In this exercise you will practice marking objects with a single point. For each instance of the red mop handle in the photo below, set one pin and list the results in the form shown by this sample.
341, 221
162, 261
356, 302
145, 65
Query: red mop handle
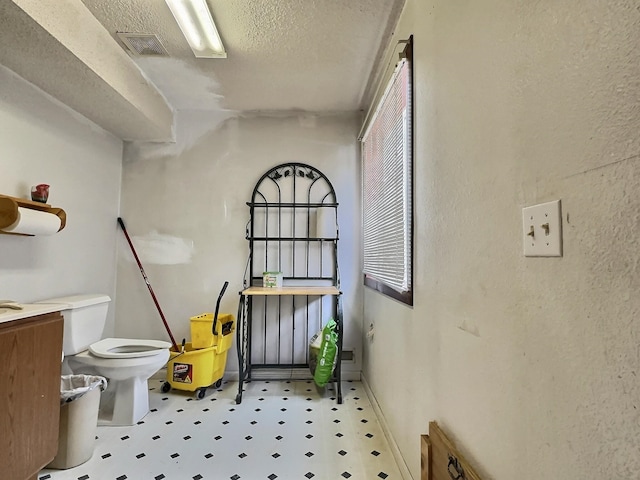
146, 280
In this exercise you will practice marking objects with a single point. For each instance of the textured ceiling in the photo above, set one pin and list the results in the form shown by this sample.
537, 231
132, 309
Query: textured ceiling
314, 56
310, 55
60, 47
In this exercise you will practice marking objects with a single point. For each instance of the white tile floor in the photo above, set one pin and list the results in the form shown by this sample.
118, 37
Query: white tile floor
282, 430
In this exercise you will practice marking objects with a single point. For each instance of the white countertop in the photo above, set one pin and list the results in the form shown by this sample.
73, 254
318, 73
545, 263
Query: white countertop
28, 310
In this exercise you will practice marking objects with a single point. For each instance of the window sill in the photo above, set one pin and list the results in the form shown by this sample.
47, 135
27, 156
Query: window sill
402, 297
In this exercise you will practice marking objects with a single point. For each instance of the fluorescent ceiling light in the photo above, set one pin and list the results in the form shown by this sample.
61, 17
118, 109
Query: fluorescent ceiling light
197, 26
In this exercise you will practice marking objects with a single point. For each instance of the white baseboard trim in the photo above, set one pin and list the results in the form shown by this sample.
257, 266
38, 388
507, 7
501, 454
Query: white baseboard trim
271, 374
395, 451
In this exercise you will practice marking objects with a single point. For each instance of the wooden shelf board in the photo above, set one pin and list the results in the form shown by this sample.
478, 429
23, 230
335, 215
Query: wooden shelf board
291, 204
291, 291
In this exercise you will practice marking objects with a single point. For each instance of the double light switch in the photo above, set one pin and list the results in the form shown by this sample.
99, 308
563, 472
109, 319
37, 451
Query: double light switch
542, 230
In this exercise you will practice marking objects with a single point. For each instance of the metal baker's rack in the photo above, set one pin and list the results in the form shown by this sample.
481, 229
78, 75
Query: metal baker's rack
293, 230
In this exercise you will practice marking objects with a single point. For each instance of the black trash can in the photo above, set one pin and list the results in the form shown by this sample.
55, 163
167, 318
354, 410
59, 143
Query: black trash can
79, 404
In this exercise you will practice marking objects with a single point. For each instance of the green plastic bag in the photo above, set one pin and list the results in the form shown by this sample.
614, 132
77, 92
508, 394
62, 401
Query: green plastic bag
327, 355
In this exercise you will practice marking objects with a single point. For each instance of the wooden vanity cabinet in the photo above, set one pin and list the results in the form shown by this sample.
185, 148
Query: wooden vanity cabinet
30, 361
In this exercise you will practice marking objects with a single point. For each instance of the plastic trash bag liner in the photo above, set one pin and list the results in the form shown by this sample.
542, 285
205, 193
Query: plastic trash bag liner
314, 351
322, 360
73, 387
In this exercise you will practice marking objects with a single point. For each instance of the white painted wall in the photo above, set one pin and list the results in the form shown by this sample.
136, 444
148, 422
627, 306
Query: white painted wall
530, 364
191, 197
42, 141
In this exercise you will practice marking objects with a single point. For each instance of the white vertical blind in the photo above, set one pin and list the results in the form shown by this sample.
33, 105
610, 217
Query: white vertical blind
386, 152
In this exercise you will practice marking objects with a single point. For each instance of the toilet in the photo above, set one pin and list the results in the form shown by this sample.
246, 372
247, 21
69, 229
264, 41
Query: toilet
126, 363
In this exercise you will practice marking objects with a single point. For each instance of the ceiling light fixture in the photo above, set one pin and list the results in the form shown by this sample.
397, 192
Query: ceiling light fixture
196, 23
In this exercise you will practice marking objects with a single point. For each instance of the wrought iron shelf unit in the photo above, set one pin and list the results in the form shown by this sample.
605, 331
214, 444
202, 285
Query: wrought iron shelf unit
292, 229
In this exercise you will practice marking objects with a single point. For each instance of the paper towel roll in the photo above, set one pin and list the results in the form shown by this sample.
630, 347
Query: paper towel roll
34, 222
326, 224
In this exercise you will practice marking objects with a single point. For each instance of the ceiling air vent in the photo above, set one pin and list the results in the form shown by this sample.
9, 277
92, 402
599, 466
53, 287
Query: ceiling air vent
143, 44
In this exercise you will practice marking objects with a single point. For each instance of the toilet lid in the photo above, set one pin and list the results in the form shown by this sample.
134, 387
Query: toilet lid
127, 347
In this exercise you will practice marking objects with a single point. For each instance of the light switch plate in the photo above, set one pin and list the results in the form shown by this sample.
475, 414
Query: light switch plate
542, 230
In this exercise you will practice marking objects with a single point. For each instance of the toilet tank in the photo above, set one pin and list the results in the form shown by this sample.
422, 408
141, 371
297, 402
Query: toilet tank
84, 320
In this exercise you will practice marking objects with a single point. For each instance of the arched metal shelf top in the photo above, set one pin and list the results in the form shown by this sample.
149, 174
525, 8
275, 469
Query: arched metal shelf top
319, 190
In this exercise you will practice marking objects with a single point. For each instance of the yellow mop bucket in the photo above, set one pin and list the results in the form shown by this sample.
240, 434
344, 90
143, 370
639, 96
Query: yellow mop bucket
201, 362
199, 368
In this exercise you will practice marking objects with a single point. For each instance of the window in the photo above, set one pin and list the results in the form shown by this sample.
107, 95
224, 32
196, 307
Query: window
387, 151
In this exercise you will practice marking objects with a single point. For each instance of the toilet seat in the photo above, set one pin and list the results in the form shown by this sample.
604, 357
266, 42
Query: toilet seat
88, 359
127, 348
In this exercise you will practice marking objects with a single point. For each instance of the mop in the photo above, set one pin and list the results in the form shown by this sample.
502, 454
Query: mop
146, 280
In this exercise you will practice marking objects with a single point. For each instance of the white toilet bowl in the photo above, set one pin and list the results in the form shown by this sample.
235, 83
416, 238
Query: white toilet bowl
127, 364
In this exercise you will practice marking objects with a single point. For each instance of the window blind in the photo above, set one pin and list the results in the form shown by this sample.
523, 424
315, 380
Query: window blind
387, 189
